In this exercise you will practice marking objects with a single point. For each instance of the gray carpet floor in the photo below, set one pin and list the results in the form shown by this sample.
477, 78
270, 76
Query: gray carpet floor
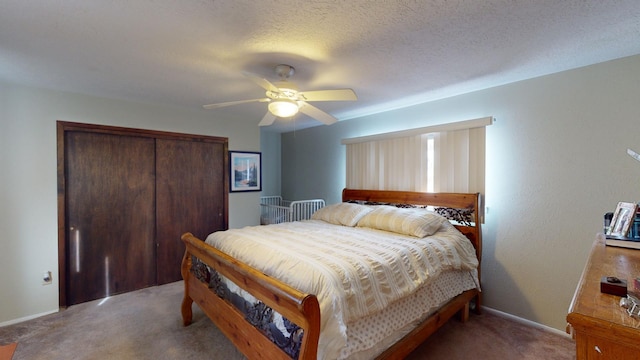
146, 324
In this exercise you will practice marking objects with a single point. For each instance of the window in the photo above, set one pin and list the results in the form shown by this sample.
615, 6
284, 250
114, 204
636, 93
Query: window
443, 158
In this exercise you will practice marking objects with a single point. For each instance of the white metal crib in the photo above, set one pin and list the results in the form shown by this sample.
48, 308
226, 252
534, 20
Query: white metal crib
274, 210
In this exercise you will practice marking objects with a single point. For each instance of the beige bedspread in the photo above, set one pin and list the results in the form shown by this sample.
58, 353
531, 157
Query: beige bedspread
353, 271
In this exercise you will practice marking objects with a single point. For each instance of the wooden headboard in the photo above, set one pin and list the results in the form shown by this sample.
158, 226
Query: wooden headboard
467, 201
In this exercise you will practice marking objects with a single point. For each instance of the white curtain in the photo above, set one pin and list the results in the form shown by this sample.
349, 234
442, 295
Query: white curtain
391, 164
420, 159
459, 160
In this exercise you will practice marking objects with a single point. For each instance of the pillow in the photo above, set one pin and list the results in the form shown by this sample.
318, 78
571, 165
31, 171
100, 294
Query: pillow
413, 222
347, 214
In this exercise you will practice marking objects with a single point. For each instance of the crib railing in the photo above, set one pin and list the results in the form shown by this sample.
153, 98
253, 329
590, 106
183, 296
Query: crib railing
303, 209
274, 210
271, 200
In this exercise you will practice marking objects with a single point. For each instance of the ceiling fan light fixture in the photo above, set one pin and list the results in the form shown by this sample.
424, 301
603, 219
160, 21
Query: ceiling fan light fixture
283, 108
284, 100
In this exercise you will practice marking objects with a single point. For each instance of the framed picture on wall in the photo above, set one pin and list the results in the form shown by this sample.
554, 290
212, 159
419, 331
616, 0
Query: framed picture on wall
246, 171
622, 219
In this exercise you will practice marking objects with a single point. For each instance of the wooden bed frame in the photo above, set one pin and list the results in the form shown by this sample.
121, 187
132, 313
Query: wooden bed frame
303, 309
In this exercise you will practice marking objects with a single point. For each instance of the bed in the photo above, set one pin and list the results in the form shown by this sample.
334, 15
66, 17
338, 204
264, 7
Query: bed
275, 210
267, 317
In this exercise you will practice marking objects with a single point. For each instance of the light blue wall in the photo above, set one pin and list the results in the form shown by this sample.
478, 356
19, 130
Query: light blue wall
270, 148
556, 162
28, 183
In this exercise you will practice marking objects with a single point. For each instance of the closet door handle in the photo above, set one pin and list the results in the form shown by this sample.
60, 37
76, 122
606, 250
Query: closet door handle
74, 251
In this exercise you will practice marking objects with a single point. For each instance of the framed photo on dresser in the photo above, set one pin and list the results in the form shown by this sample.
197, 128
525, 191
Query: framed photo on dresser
622, 219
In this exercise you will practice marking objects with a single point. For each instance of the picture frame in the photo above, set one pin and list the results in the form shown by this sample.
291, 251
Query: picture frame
622, 219
245, 169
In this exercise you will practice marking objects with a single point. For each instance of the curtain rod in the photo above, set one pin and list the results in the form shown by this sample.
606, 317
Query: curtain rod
460, 125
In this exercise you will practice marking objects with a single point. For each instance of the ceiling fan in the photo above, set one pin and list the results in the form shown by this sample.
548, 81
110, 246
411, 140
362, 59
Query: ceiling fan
285, 100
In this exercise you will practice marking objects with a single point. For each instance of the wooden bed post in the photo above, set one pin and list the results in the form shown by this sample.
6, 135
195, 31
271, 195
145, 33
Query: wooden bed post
187, 311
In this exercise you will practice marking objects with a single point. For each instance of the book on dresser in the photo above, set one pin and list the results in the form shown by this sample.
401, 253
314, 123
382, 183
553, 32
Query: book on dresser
624, 242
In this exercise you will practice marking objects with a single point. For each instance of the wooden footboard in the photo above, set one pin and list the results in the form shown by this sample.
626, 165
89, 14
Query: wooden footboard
301, 309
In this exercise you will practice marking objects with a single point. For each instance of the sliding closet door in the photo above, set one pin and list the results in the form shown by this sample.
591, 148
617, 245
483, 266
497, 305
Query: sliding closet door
191, 196
110, 202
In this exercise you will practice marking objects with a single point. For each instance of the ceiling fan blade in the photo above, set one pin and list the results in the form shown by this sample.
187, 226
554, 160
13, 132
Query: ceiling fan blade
329, 95
219, 105
317, 114
263, 83
267, 119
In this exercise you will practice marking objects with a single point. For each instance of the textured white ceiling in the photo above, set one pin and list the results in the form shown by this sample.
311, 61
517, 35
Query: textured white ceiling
392, 53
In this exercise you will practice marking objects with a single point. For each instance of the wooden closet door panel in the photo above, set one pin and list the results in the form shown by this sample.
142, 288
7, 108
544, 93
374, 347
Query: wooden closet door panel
110, 188
191, 196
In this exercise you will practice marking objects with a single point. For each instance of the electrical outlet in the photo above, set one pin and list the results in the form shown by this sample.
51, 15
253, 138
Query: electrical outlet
46, 278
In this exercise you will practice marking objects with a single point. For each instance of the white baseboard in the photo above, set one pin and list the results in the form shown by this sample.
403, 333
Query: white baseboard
525, 321
484, 308
30, 317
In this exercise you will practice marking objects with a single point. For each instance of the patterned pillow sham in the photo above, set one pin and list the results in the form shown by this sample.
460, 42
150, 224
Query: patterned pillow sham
346, 214
462, 216
407, 221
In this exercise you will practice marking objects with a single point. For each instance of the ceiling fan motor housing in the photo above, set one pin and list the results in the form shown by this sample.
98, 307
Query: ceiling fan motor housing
285, 71
286, 90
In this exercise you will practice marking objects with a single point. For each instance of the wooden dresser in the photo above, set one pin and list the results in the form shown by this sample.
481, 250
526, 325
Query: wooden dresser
601, 327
